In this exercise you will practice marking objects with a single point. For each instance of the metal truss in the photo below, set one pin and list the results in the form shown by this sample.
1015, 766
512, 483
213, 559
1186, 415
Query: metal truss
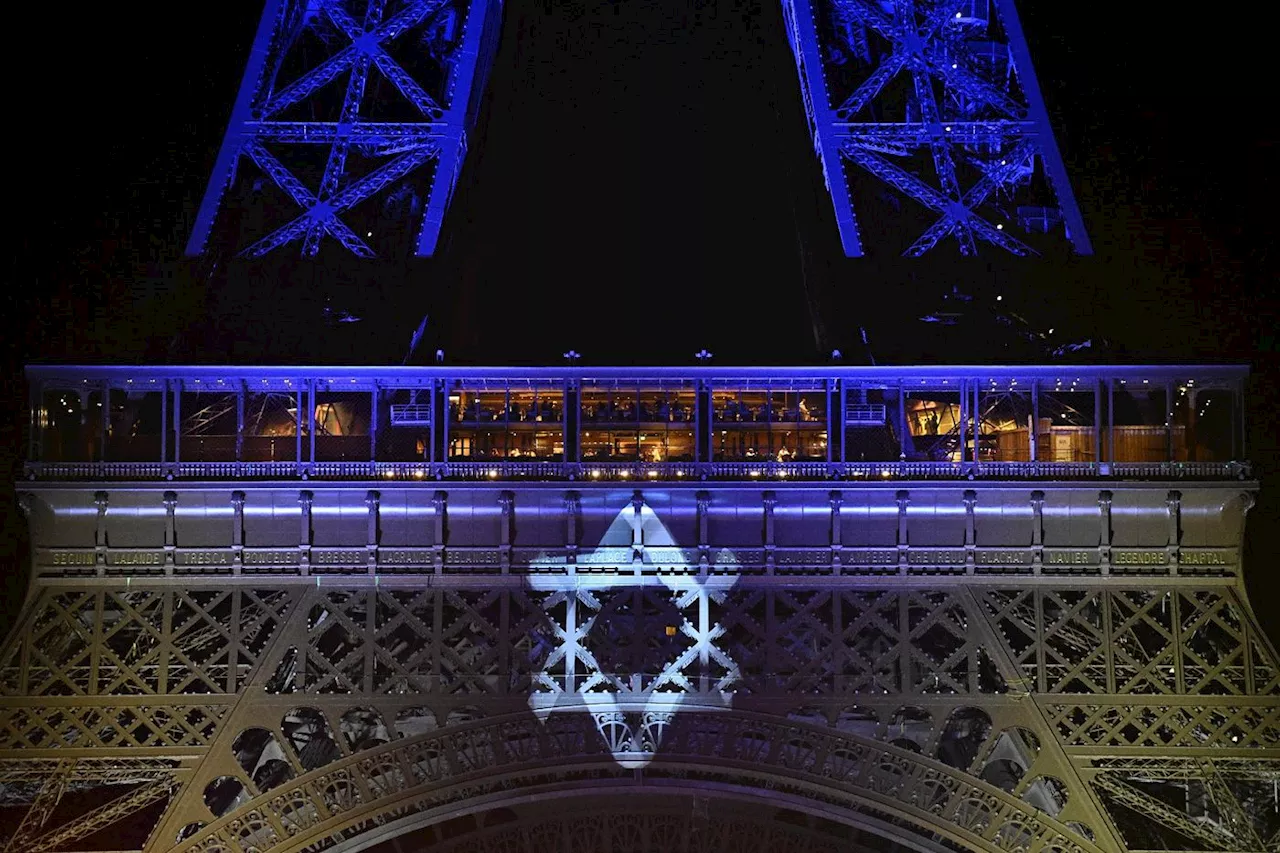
392, 84
938, 100
297, 703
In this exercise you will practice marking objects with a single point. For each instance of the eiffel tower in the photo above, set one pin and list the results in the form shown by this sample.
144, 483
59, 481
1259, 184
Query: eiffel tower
629, 609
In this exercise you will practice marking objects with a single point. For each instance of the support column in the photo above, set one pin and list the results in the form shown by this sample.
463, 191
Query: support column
373, 500
506, 502
1104, 518
1037, 531
572, 509
100, 533
704, 545
305, 534
904, 498
237, 531
440, 503
170, 530
836, 499
770, 500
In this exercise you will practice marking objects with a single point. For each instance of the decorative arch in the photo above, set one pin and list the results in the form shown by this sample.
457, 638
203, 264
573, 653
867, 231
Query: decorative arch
848, 776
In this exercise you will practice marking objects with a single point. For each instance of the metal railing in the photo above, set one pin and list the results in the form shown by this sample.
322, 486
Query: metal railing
618, 471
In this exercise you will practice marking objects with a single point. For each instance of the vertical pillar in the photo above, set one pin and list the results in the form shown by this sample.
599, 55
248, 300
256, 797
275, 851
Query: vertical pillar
306, 534
298, 404
177, 420
904, 498
637, 527
836, 424
1111, 421
770, 500
572, 509
241, 393
164, 420
506, 503
374, 414
1104, 518
105, 391
963, 426
311, 420
902, 422
837, 500
1174, 503
1037, 531
237, 531
977, 420
704, 544
440, 503
970, 531
170, 530
1034, 435
100, 532
373, 500
1097, 422
1168, 422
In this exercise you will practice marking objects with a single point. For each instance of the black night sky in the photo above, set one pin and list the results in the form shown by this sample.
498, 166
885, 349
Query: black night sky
641, 186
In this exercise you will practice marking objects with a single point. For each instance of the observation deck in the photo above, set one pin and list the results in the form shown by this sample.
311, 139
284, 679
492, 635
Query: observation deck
639, 424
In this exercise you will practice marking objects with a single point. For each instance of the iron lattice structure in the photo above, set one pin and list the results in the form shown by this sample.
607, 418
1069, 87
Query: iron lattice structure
938, 100
228, 655
351, 119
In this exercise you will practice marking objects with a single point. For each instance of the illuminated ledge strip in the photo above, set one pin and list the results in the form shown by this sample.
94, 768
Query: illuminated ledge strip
571, 471
134, 562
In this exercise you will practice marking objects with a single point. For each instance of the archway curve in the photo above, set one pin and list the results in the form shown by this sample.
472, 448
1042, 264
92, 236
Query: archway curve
572, 802
517, 755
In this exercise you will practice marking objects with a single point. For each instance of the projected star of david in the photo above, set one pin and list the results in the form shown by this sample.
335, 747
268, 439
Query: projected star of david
632, 648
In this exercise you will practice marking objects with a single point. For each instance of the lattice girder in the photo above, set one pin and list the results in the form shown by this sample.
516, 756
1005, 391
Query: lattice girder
938, 100
341, 76
287, 703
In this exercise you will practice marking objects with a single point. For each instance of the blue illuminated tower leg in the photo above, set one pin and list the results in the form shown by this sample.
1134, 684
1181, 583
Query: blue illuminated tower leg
224, 167
1053, 165
476, 45
938, 100
799, 19
366, 157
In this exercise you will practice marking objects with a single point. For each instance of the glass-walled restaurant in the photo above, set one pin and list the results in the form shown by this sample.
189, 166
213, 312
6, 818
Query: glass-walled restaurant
820, 422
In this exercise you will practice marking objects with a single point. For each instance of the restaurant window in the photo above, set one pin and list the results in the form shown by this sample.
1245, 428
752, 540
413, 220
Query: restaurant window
932, 429
1067, 430
404, 425
342, 420
135, 425
872, 429
70, 426
271, 426
1209, 420
518, 423
1005, 420
209, 426
769, 424
1141, 416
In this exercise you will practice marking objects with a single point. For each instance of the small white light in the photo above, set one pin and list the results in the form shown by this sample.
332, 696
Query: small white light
1051, 331
953, 65
368, 234
999, 227
595, 474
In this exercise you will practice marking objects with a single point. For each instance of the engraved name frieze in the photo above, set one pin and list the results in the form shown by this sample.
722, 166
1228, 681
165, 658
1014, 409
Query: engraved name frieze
67, 558
271, 558
406, 557
135, 558
1205, 558
337, 557
1139, 558
935, 557
987, 557
203, 558
1071, 557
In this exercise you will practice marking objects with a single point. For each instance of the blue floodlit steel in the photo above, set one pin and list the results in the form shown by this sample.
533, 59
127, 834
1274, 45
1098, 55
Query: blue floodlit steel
285, 78
937, 99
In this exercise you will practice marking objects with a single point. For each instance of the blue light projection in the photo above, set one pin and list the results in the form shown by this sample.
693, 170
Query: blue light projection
344, 144
937, 99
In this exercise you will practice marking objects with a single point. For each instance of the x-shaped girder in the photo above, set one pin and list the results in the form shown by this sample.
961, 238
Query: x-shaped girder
916, 48
367, 48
